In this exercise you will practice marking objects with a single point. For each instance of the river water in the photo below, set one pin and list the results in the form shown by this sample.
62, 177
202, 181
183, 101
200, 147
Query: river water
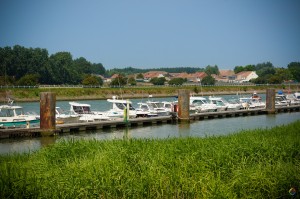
203, 128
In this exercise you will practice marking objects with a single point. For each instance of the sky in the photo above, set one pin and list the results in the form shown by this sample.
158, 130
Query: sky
157, 33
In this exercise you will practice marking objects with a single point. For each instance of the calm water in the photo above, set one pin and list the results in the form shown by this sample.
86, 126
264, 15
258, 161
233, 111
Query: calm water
203, 128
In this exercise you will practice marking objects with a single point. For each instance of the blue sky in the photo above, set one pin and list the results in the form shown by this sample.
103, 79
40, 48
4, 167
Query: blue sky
157, 33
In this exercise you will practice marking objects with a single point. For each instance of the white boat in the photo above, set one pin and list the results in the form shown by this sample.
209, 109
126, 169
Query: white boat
63, 116
152, 109
158, 108
202, 105
219, 102
118, 107
293, 98
257, 103
233, 104
85, 113
12, 116
144, 110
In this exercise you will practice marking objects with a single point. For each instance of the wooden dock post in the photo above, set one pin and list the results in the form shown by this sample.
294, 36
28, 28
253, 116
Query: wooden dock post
270, 101
47, 113
183, 105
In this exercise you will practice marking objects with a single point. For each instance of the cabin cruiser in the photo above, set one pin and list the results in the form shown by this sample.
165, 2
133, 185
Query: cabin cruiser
12, 116
63, 116
233, 104
118, 107
219, 102
257, 103
152, 109
202, 105
85, 113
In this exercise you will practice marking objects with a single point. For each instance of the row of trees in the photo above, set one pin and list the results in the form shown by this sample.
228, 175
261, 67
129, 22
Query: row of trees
32, 66
267, 73
20, 65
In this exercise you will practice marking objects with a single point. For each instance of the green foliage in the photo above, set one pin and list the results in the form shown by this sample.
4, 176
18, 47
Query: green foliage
158, 80
177, 81
209, 70
92, 80
140, 76
249, 67
208, 80
59, 68
131, 81
121, 80
294, 68
250, 164
29, 80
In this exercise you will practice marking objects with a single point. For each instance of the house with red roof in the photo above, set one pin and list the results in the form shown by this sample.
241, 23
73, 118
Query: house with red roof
245, 76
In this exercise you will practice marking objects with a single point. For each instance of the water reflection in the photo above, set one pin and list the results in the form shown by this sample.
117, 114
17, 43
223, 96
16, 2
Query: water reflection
184, 129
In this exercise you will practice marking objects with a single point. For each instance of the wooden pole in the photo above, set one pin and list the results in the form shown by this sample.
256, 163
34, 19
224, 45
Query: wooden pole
270, 101
183, 105
47, 113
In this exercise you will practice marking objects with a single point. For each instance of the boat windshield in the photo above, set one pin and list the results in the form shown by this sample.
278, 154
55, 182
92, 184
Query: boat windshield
81, 109
220, 103
197, 102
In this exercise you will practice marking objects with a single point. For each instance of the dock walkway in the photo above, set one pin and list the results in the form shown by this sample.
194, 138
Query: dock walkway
75, 127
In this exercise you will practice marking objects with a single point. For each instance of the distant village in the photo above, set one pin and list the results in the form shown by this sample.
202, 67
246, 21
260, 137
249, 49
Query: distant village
225, 76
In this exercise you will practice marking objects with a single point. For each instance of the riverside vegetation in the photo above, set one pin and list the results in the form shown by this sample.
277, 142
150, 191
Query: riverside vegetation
262, 163
33, 94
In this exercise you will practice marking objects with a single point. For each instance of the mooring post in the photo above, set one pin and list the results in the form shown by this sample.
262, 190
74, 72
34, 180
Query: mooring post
47, 113
270, 101
184, 105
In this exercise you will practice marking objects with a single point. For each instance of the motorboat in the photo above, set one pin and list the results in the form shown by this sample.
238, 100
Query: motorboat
257, 103
152, 109
252, 102
63, 116
293, 98
232, 104
202, 105
13, 116
144, 110
159, 108
219, 102
85, 113
118, 108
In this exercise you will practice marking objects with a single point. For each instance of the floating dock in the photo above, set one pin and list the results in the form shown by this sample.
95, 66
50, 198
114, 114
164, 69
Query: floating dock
84, 126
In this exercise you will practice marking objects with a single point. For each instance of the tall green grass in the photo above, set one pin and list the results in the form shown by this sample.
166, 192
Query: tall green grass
249, 164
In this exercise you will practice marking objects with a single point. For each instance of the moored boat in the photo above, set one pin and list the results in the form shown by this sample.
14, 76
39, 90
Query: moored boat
13, 116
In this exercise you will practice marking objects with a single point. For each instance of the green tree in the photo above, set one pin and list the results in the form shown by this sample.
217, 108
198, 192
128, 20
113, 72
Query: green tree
208, 80
131, 81
238, 69
92, 80
177, 81
158, 80
140, 76
28, 80
294, 68
209, 70
121, 80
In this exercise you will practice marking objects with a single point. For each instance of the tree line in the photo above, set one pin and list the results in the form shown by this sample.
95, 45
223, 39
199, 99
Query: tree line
33, 66
20, 65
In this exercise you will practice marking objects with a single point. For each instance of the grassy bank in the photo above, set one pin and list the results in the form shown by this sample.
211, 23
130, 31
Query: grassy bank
250, 164
33, 94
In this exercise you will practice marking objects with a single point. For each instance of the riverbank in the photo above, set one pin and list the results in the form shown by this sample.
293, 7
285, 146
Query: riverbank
249, 164
33, 94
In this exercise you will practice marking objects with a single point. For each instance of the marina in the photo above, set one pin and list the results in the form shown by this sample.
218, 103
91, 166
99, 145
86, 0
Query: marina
136, 122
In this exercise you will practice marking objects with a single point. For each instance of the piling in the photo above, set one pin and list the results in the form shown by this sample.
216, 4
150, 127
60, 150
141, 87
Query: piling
47, 113
270, 101
184, 105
